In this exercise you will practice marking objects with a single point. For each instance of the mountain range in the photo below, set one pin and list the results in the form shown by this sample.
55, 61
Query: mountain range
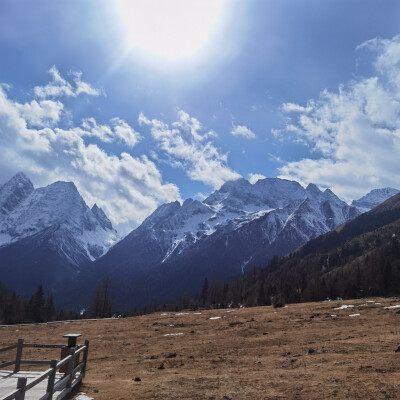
50, 236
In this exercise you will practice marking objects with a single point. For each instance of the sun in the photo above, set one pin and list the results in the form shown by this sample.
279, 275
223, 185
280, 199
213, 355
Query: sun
170, 29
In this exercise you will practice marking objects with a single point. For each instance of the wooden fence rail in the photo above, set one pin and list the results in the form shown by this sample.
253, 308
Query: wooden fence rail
75, 371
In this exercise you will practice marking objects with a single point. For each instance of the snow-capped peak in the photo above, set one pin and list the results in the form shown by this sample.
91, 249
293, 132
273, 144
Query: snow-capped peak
13, 192
101, 217
241, 196
162, 213
374, 198
61, 208
313, 192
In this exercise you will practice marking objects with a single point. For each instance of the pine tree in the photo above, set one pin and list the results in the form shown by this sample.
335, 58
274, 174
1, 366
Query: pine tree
36, 305
49, 309
204, 293
102, 303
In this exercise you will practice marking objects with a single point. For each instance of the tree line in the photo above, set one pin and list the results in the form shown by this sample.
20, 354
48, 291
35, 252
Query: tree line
16, 309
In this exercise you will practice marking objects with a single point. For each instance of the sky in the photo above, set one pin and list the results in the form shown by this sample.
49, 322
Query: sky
140, 103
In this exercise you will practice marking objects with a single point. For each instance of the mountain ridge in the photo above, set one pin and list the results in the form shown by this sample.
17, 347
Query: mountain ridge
239, 226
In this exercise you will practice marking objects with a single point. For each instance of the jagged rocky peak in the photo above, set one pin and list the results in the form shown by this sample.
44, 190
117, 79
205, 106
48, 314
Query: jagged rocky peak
57, 203
191, 212
241, 195
61, 199
192, 207
235, 186
231, 194
278, 193
313, 192
329, 195
99, 214
18, 188
374, 198
162, 213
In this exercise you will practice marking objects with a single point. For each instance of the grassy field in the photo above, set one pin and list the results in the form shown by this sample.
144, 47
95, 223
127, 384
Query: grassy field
303, 351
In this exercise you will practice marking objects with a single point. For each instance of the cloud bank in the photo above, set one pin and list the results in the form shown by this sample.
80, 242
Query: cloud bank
33, 140
354, 133
186, 145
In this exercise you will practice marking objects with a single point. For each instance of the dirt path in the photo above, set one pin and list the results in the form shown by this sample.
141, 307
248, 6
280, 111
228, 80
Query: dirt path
299, 352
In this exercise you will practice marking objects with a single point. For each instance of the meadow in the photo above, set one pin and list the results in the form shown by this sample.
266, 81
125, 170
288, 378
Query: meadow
326, 350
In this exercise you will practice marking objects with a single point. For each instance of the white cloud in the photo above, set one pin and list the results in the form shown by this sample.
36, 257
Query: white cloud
242, 131
200, 196
354, 133
42, 113
275, 158
118, 130
277, 134
253, 178
185, 146
291, 107
61, 87
192, 125
128, 188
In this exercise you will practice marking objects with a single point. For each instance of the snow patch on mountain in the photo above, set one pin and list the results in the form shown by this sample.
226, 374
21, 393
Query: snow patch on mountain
374, 198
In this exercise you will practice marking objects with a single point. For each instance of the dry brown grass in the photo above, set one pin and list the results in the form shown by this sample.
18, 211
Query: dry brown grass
254, 353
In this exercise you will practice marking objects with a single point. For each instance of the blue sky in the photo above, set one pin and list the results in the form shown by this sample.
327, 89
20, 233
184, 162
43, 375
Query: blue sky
306, 90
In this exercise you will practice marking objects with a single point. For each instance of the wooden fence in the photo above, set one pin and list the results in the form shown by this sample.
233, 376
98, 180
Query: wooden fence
74, 370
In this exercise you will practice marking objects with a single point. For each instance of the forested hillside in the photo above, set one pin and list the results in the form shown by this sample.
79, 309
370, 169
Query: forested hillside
360, 258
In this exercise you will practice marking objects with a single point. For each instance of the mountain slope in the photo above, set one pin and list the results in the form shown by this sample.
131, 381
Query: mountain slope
359, 258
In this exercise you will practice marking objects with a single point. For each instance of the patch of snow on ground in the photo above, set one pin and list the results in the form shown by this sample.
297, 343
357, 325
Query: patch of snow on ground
344, 306
82, 396
354, 315
392, 307
215, 318
182, 313
197, 313
164, 314
174, 334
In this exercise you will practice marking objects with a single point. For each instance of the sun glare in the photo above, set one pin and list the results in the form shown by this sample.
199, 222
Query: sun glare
170, 29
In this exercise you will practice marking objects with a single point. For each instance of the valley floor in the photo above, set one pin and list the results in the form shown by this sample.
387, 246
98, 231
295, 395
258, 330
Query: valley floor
304, 351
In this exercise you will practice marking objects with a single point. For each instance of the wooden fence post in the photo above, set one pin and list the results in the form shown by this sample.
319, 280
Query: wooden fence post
21, 383
52, 378
85, 357
19, 355
71, 367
